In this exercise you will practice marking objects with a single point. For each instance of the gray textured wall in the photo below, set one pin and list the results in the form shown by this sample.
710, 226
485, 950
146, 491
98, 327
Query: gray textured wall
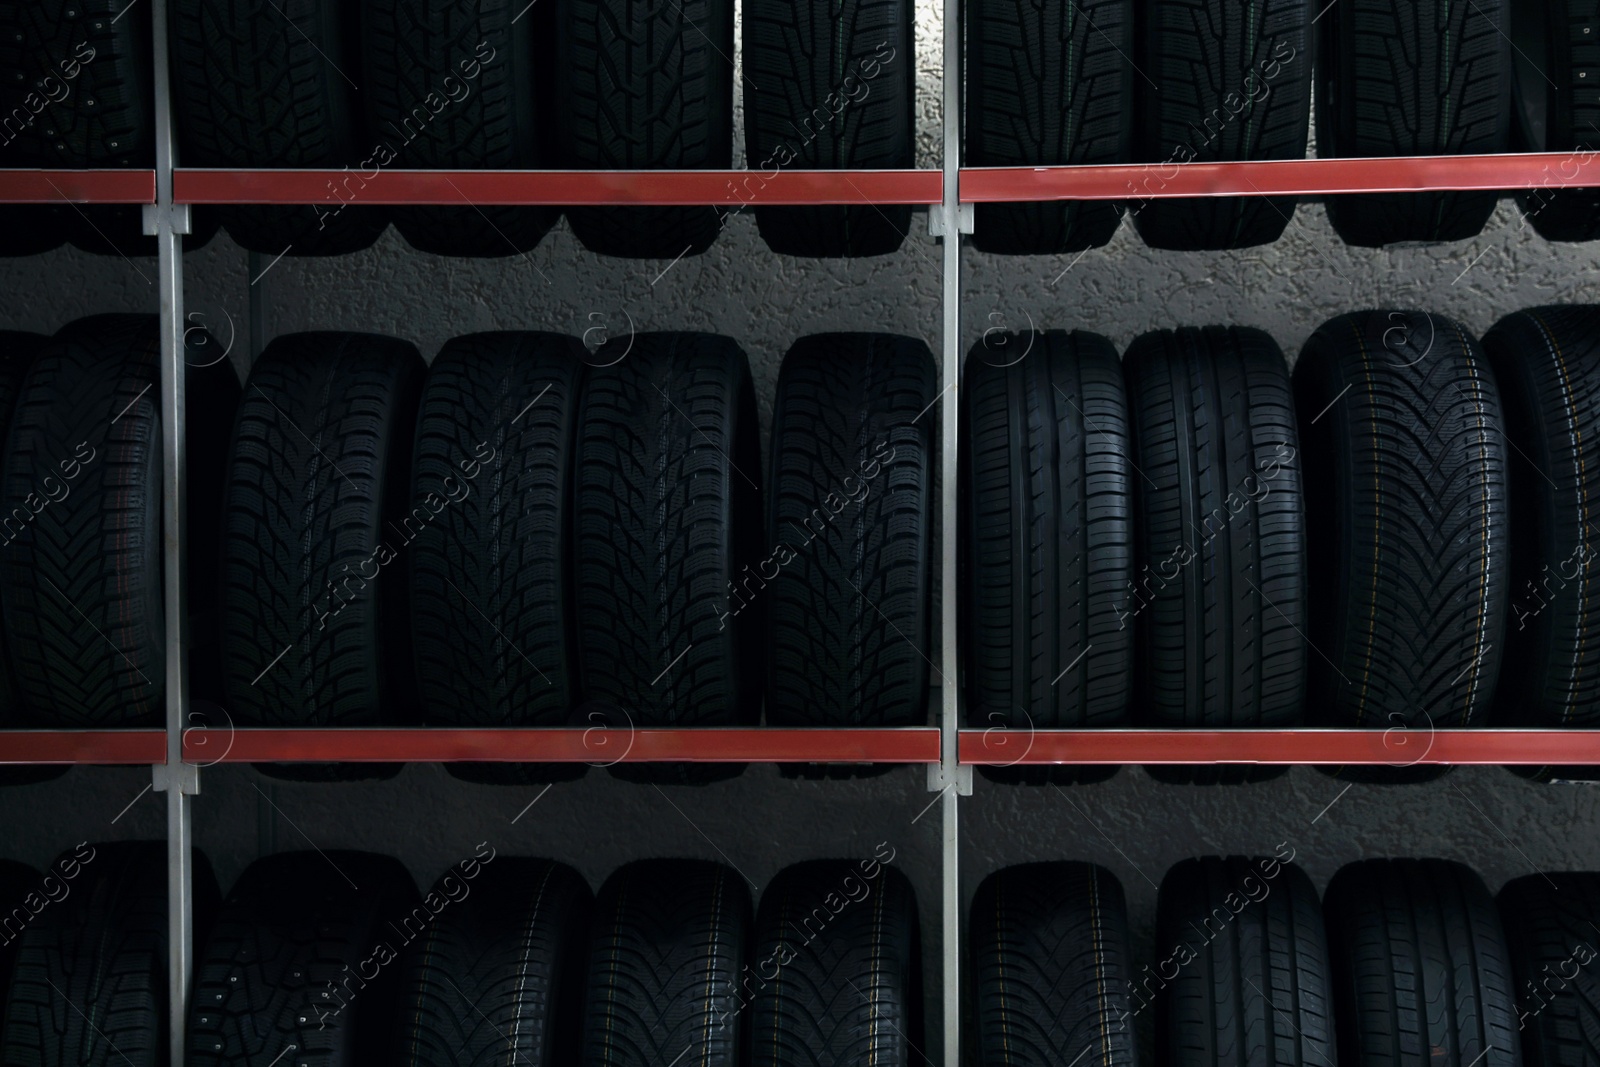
761, 822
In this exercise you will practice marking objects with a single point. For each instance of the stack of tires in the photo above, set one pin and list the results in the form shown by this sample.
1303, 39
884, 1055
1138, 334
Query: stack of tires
1403, 961
1194, 540
335, 958
525, 534
1166, 82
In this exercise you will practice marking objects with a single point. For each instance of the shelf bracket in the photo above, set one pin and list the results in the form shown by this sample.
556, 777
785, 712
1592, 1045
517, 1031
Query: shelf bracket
941, 778
186, 776
178, 214
964, 219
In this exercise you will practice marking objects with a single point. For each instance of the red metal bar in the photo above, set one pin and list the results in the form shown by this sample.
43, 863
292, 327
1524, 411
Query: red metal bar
327, 188
1283, 177
1394, 747
595, 745
78, 186
83, 746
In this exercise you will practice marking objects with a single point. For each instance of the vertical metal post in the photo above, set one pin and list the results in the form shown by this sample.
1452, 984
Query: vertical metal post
168, 222
953, 780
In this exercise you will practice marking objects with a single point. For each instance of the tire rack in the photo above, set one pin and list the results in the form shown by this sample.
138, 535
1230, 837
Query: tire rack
178, 753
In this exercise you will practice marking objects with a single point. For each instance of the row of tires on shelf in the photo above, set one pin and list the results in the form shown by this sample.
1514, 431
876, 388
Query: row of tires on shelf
530, 534
603, 84
1398, 535
323, 959
334, 959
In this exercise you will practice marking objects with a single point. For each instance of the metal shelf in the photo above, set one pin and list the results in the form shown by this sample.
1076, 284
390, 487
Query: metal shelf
83, 746
77, 186
1123, 181
557, 187
564, 745
1391, 747
1283, 177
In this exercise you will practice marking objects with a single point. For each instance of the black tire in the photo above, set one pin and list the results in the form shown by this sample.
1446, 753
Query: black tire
838, 976
17, 881
18, 352
1047, 529
1421, 974
1414, 79
1405, 467
1219, 604
498, 977
1051, 968
667, 520
81, 566
90, 981
1253, 986
285, 965
211, 402
1555, 106
251, 91
645, 86
86, 63
491, 583
417, 48
849, 600
118, 230
803, 64
31, 229
317, 494
1549, 921
1235, 85
1048, 84
1547, 364
668, 942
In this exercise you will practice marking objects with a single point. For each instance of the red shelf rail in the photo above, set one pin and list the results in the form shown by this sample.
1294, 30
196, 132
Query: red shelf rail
1125, 181
83, 746
768, 745
1283, 177
77, 186
1392, 747
326, 188
595, 745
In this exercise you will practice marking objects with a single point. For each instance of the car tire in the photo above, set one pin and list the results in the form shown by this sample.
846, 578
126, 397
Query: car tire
89, 985
1405, 463
667, 519
1219, 639
1047, 525
1421, 972
1051, 968
1253, 982
1206, 58
1555, 105
248, 93
667, 950
845, 991
1546, 362
491, 581
284, 966
498, 975
645, 87
317, 493
800, 61
849, 622
1445, 92
1549, 921
414, 48
1048, 85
